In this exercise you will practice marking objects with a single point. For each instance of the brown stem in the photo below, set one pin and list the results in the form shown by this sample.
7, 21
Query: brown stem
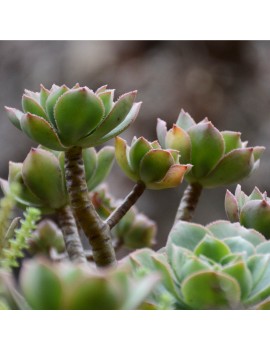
97, 231
188, 202
71, 236
127, 203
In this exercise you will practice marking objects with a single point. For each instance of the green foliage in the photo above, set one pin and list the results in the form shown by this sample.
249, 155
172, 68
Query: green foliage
218, 158
251, 211
60, 118
219, 266
148, 163
66, 286
42, 179
46, 237
16, 245
7, 204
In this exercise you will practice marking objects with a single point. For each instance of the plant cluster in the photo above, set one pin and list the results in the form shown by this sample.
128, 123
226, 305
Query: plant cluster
72, 257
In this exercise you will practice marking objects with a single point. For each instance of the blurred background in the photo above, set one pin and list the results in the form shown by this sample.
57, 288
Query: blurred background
226, 81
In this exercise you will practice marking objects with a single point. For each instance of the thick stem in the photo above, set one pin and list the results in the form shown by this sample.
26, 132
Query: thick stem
97, 231
127, 203
71, 236
188, 202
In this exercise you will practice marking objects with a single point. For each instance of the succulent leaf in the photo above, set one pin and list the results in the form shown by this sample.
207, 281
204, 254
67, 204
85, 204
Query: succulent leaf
231, 207
232, 140
51, 101
137, 151
41, 131
154, 165
41, 286
185, 121
42, 174
207, 148
233, 167
178, 139
211, 290
32, 106
14, 116
121, 151
77, 113
105, 160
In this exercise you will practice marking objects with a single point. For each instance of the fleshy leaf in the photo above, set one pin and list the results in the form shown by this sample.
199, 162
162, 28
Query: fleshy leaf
263, 248
232, 140
154, 165
96, 139
51, 101
186, 235
42, 175
211, 290
212, 248
44, 93
32, 106
224, 229
261, 290
256, 195
14, 116
41, 132
107, 100
118, 114
90, 162
257, 152
105, 159
265, 305
136, 153
41, 286
231, 207
94, 293
240, 245
207, 148
257, 265
77, 113
185, 121
240, 196
233, 167
121, 150
172, 178
178, 139
161, 132
185, 264
240, 272
256, 214
140, 292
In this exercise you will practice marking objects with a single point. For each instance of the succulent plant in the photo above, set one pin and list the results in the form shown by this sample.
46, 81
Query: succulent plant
134, 230
147, 163
46, 237
64, 286
218, 158
60, 118
251, 211
220, 266
42, 181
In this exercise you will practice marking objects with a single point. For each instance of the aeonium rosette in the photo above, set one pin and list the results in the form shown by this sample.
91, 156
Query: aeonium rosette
147, 163
42, 181
61, 118
252, 211
218, 158
220, 266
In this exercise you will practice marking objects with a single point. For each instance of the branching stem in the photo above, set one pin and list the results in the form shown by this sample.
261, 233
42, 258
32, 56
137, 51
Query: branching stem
96, 230
71, 236
127, 203
188, 202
